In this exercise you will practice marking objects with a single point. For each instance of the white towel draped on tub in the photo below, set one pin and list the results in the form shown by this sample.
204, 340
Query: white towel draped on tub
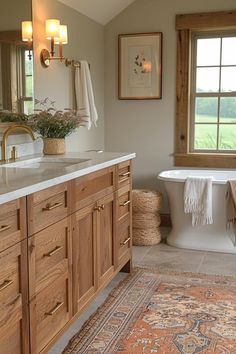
198, 199
84, 95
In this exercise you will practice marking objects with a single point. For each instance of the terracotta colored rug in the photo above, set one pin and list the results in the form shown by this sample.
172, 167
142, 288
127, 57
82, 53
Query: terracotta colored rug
151, 313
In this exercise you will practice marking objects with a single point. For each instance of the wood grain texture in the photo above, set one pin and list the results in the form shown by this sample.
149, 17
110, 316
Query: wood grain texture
206, 20
48, 208
50, 311
206, 160
49, 256
182, 91
14, 299
13, 220
90, 188
105, 239
84, 256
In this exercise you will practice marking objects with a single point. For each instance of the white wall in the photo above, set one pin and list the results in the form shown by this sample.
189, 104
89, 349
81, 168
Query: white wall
147, 127
86, 41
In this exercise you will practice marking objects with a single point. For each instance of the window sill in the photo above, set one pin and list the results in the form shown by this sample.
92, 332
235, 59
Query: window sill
210, 160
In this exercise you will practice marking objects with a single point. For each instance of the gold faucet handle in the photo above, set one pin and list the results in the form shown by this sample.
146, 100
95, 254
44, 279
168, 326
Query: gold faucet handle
13, 153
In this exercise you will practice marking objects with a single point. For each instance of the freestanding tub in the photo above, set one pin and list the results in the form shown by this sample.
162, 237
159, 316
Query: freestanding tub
215, 237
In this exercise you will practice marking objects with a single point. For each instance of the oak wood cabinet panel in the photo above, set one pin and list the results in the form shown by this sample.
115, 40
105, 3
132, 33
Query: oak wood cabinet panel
105, 239
12, 223
50, 311
47, 207
50, 256
123, 174
84, 256
14, 300
88, 189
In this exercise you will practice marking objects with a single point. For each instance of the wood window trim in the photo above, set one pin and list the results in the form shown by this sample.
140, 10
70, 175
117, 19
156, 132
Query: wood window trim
185, 24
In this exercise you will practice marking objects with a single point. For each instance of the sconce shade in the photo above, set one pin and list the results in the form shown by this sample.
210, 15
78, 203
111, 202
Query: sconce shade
63, 38
52, 28
27, 31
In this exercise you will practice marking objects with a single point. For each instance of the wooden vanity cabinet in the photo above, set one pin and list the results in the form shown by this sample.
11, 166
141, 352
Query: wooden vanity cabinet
78, 237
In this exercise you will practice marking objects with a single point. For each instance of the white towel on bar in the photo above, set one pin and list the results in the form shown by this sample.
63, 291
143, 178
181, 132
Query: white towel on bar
84, 95
198, 199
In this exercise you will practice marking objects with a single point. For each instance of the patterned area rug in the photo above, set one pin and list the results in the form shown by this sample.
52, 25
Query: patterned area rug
151, 313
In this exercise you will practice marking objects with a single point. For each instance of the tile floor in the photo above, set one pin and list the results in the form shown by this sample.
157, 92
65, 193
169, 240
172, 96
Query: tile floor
163, 256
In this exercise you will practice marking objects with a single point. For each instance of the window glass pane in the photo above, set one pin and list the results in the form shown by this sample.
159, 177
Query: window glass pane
205, 136
28, 64
29, 86
228, 79
227, 137
207, 80
228, 109
206, 109
28, 107
229, 51
208, 52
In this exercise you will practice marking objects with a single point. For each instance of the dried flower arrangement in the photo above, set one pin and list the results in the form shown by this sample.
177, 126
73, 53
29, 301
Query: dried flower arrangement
51, 123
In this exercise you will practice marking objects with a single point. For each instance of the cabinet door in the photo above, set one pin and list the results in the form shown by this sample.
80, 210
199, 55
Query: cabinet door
84, 256
106, 218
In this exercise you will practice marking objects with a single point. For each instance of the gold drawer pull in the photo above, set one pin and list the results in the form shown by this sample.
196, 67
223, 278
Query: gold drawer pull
4, 228
124, 174
127, 202
50, 254
126, 241
5, 284
51, 207
55, 309
99, 207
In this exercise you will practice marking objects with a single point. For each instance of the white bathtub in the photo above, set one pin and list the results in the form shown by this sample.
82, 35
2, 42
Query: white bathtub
215, 237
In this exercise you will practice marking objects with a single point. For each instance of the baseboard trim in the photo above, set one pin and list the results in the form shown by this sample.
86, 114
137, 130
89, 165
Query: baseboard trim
166, 220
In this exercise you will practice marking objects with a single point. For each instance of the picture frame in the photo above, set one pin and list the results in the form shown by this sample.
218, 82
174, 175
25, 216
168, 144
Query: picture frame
140, 66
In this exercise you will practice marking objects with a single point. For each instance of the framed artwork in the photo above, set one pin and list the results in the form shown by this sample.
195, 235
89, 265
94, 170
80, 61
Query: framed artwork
140, 66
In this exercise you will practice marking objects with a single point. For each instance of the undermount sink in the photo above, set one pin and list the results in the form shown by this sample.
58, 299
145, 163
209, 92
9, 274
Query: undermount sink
45, 163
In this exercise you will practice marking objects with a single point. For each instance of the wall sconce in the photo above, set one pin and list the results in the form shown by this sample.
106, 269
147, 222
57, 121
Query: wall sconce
63, 39
57, 34
27, 35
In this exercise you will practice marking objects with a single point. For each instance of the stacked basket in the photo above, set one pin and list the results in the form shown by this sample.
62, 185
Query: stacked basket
146, 217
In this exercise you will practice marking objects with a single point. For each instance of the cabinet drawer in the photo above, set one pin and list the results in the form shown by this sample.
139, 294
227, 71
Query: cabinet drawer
14, 300
124, 241
123, 174
124, 203
10, 286
12, 223
90, 188
50, 311
47, 207
50, 255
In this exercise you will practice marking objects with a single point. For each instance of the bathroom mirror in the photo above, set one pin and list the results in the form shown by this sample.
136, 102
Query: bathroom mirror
16, 59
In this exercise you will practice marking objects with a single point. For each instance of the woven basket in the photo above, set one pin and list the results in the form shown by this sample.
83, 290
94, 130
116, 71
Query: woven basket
146, 237
146, 201
53, 146
146, 221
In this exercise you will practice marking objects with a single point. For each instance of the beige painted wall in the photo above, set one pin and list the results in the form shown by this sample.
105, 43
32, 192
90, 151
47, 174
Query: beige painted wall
86, 41
147, 127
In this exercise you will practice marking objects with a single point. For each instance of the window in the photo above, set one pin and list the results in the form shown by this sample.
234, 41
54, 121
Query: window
205, 131
27, 104
213, 92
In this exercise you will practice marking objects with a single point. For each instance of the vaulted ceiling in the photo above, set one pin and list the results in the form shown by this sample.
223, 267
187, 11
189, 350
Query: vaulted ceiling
101, 11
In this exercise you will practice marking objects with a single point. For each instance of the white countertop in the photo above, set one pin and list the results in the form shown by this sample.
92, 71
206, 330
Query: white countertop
18, 182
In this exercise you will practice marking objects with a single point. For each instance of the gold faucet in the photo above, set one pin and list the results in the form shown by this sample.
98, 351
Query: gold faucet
25, 128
